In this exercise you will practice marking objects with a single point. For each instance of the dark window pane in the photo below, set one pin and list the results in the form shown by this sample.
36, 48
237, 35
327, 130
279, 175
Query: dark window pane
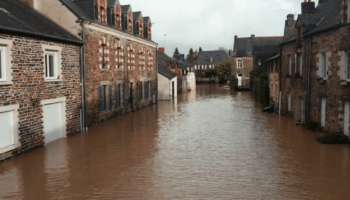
51, 66
1, 65
46, 66
104, 98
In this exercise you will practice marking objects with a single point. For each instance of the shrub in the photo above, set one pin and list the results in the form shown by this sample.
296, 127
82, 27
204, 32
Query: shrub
333, 138
312, 125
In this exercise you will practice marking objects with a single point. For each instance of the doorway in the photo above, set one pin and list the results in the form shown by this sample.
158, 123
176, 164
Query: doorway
239, 77
53, 122
346, 118
131, 97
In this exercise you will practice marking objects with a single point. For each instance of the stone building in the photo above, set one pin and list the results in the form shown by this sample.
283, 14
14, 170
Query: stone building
209, 60
167, 80
315, 66
274, 79
119, 55
186, 69
242, 57
40, 96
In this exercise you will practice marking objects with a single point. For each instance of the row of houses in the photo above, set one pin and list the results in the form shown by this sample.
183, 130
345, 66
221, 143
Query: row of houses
66, 65
308, 68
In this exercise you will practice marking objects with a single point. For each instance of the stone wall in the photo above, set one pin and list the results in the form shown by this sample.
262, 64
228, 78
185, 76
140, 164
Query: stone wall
142, 68
245, 70
29, 88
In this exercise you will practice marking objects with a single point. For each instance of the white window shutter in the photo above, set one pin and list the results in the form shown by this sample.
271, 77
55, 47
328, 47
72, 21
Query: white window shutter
344, 65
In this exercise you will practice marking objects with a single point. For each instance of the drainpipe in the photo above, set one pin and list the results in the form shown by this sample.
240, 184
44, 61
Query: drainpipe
280, 81
82, 76
307, 105
156, 83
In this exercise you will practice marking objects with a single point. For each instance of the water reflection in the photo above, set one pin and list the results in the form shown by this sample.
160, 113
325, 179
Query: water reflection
210, 143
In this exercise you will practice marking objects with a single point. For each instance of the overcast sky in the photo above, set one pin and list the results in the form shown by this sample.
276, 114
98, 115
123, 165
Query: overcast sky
211, 24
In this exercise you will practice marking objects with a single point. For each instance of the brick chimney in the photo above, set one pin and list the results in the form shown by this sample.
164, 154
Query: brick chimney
290, 20
161, 49
29, 3
307, 7
236, 37
252, 36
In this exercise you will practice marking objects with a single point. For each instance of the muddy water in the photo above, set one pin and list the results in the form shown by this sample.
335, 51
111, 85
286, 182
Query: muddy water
209, 144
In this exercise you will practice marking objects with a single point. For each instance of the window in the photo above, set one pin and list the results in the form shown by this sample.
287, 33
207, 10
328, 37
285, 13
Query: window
50, 65
348, 10
104, 98
96, 10
289, 102
289, 65
119, 66
323, 112
117, 21
117, 96
2, 64
323, 66
113, 18
103, 56
137, 28
146, 90
101, 14
299, 64
239, 63
140, 91
9, 128
347, 72
126, 22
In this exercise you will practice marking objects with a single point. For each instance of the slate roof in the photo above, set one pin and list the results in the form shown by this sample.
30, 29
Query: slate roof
146, 20
266, 49
125, 9
218, 56
167, 73
112, 3
137, 15
163, 61
17, 17
75, 9
330, 11
244, 46
274, 57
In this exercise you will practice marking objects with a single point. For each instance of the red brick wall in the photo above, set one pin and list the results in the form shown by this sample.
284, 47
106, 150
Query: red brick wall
94, 75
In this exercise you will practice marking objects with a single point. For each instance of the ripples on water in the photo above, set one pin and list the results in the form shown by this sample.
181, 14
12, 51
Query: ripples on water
209, 144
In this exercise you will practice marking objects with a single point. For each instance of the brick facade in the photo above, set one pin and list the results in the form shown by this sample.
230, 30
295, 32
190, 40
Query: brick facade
245, 69
29, 89
136, 65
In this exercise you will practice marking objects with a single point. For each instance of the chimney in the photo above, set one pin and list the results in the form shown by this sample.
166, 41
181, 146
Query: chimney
236, 38
307, 7
29, 3
252, 36
161, 49
290, 20
230, 52
320, 1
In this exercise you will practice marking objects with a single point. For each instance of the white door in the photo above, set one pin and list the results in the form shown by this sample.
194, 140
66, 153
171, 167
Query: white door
289, 102
239, 79
52, 122
346, 118
323, 113
6, 132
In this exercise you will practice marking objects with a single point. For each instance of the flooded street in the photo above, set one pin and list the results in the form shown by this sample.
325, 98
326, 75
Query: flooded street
211, 143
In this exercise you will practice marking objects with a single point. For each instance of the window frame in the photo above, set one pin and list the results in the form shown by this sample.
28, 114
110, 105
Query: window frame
299, 69
6, 46
57, 50
240, 63
289, 65
347, 67
15, 128
2, 64
47, 72
323, 65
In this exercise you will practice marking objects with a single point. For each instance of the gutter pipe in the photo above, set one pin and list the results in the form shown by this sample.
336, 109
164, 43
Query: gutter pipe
82, 76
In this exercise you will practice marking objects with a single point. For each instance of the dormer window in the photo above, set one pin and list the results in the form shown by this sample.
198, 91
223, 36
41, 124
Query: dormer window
137, 28
126, 22
117, 17
96, 10
146, 31
101, 14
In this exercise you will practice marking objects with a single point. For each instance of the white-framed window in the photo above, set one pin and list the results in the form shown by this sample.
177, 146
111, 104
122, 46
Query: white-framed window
105, 101
5, 62
299, 68
239, 63
2, 64
323, 66
345, 69
9, 138
289, 65
52, 63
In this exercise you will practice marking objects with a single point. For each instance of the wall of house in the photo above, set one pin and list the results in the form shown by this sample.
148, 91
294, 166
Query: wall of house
245, 70
163, 88
29, 89
274, 81
191, 81
61, 15
331, 89
96, 76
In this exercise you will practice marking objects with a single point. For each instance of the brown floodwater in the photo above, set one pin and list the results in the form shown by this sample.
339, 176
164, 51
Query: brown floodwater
211, 143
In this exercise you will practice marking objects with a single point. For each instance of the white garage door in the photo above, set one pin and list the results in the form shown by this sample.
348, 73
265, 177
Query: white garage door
6, 133
52, 122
